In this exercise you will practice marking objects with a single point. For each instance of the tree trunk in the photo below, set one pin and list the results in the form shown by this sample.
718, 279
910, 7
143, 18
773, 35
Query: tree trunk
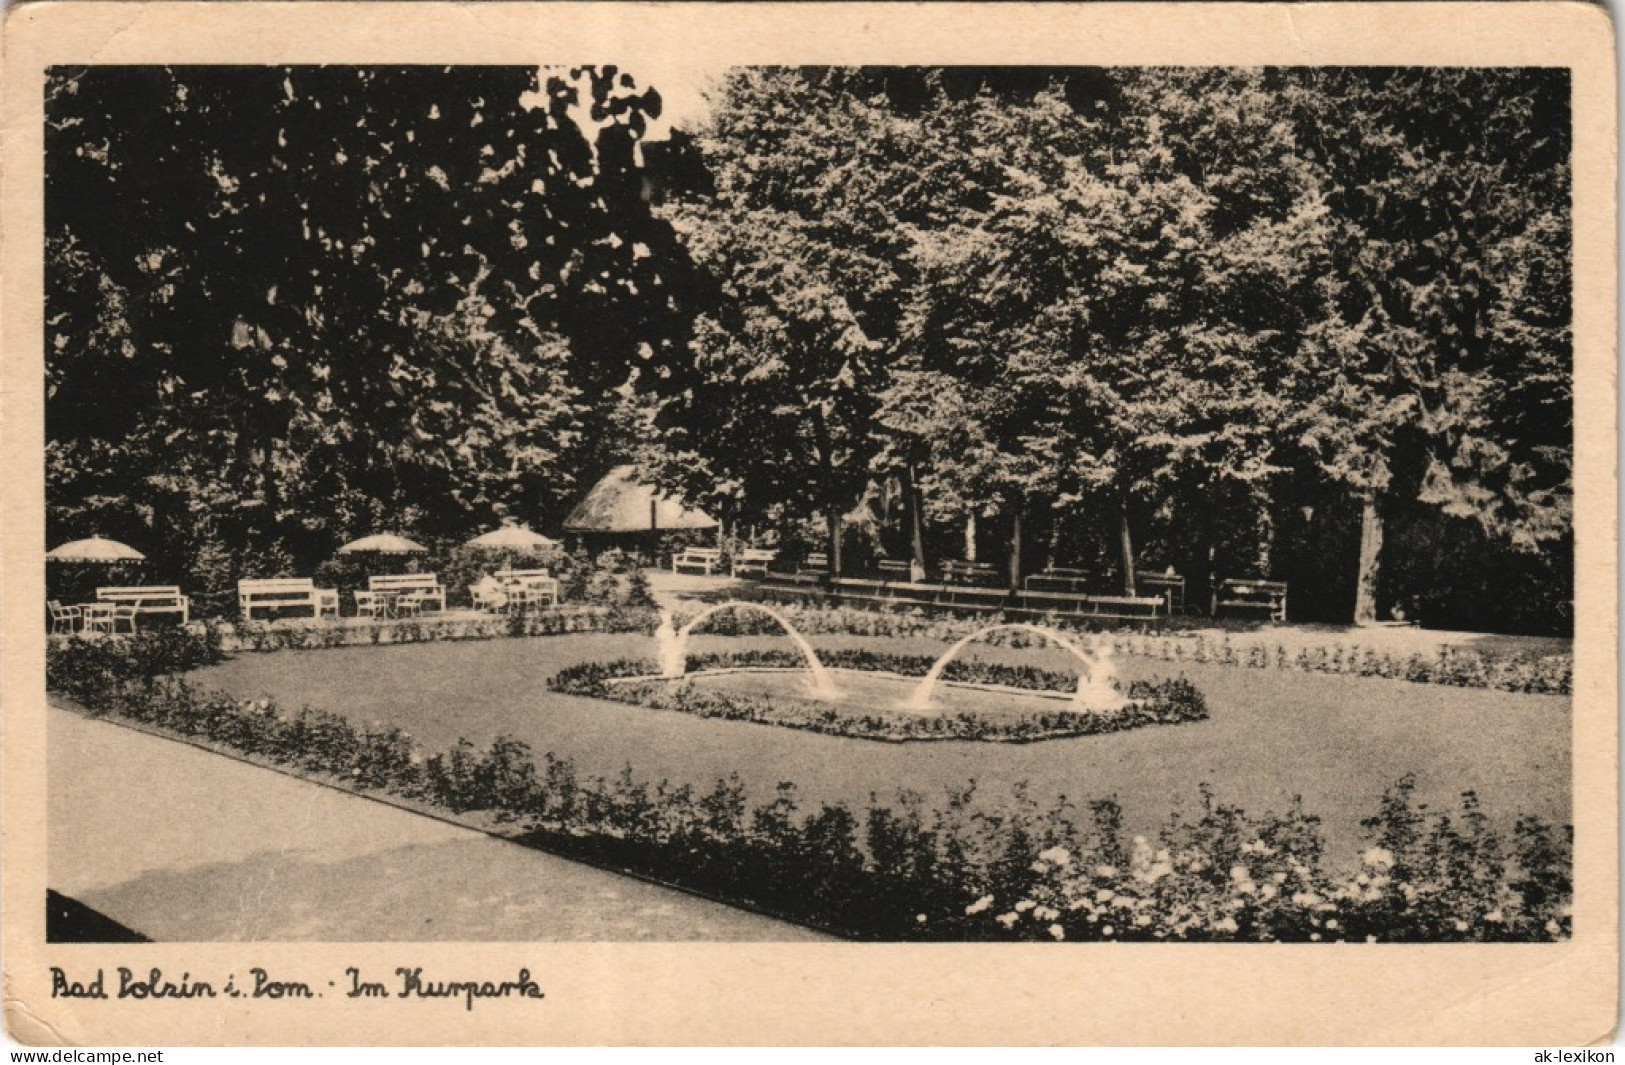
1365, 586
832, 519
970, 538
1125, 543
1266, 539
916, 533
1015, 552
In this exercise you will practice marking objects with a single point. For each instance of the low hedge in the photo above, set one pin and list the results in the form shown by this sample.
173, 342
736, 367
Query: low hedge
558, 621
1457, 667
1150, 703
970, 867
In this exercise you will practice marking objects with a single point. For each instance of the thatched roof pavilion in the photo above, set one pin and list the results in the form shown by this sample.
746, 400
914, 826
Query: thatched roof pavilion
620, 503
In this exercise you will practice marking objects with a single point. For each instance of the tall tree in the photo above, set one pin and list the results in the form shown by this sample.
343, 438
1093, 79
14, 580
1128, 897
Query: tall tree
1445, 357
340, 297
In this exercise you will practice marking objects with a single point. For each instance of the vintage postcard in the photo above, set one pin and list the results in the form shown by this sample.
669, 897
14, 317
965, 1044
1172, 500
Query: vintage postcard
793, 523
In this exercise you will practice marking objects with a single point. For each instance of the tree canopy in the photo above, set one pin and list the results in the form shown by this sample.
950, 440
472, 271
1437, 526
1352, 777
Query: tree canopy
1190, 300
290, 305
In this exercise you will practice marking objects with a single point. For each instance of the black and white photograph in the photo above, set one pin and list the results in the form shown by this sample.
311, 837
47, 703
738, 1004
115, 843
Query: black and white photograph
717, 502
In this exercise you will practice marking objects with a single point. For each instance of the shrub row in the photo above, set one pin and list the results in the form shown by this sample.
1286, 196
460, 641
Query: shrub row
1541, 674
1150, 703
970, 867
558, 621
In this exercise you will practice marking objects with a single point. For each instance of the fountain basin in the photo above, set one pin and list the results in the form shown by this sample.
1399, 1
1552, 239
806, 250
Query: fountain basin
868, 690
880, 704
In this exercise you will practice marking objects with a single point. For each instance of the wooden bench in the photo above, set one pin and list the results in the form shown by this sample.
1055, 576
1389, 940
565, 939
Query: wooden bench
817, 562
1171, 586
892, 569
959, 571
411, 592
157, 599
704, 559
753, 561
1060, 580
1246, 596
282, 593
528, 587
1140, 608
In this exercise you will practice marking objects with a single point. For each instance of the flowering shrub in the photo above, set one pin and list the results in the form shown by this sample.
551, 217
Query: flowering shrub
260, 636
1544, 674
86, 666
1426, 878
968, 867
1150, 703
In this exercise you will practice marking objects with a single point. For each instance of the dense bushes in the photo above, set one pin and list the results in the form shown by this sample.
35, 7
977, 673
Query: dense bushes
973, 866
1457, 667
89, 668
283, 636
1161, 702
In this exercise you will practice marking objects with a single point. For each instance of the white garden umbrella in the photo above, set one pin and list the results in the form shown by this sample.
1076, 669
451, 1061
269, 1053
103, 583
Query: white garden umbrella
512, 538
96, 549
383, 544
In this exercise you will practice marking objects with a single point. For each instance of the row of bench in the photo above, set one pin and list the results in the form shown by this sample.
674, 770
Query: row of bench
1047, 593
750, 562
395, 595
390, 595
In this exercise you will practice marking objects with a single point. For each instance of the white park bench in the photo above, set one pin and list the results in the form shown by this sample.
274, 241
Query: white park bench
753, 561
408, 593
157, 599
282, 593
527, 587
704, 559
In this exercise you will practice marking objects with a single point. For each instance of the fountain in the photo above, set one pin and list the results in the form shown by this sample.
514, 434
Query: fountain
887, 695
674, 646
1095, 688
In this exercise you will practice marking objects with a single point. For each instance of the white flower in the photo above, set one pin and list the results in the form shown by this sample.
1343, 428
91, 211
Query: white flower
979, 905
1495, 916
1057, 931
1227, 924
1007, 919
920, 917
1108, 930
1331, 925
1461, 926
1378, 858
1024, 905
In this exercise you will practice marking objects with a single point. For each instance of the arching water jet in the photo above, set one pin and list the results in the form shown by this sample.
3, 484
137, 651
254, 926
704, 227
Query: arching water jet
674, 646
1095, 688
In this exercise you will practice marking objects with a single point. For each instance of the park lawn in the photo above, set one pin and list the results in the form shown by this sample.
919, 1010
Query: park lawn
1272, 734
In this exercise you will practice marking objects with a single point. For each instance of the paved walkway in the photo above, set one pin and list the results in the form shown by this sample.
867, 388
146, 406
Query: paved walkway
181, 844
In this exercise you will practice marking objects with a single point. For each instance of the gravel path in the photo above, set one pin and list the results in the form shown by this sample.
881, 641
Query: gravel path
179, 844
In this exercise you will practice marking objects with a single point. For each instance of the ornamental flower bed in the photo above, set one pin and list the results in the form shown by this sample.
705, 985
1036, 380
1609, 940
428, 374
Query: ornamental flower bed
1150, 702
966, 866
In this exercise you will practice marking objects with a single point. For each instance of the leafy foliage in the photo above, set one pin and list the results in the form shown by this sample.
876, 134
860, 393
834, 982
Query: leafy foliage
289, 306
